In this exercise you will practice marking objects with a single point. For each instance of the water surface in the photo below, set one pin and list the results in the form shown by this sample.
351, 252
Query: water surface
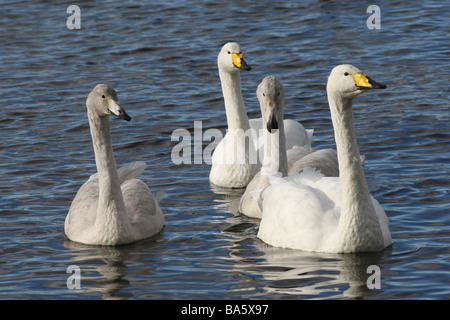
161, 59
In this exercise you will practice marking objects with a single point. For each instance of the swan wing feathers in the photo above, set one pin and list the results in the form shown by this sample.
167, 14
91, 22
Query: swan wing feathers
306, 220
128, 171
83, 209
312, 177
142, 207
296, 134
384, 222
160, 195
302, 212
307, 176
256, 193
131, 170
325, 160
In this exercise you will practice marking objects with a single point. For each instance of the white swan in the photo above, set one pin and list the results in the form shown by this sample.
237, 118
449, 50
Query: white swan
112, 207
235, 160
310, 212
326, 160
270, 94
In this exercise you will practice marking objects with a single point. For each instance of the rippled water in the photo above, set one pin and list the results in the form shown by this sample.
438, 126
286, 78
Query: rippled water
161, 59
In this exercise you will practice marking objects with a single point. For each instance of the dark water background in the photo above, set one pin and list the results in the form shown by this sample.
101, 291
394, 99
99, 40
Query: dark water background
160, 56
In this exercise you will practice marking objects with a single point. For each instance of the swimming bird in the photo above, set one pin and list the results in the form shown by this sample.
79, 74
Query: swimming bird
270, 93
236, 159
278, 160
310, 212
113, 207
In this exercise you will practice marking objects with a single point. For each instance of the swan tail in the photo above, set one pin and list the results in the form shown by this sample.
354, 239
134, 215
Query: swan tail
127, 172
131, 171
309, 133
160, 195
363, 158
307, 175
93, 177
257, 195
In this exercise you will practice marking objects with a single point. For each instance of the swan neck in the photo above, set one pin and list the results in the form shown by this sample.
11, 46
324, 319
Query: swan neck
234, 103
275, 156
357, 211
111, 208
346, 145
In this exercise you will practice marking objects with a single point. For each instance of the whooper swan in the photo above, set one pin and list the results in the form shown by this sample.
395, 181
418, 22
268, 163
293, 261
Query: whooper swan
310, 212
113, 207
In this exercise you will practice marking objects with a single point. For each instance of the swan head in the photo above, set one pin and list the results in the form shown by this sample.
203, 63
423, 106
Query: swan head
103, 101
270, 93
231, 58
348, 82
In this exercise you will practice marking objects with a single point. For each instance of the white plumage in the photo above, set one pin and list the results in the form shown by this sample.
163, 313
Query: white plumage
276, 159
237, 158
113, 207
311, 212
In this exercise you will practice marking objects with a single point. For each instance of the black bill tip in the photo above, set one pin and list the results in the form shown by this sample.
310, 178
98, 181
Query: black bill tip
376, 85
272, 124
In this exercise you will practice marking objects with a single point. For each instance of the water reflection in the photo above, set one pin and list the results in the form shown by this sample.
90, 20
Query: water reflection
292, 273
228, 200
324, 274
108, 270
298, 274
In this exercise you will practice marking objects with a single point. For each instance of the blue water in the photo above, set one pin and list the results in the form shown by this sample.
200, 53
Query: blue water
161, 59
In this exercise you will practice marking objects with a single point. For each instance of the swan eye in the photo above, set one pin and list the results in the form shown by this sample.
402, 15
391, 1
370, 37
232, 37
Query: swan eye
229, 52
278, 93
103, 96
264, 94
346, 74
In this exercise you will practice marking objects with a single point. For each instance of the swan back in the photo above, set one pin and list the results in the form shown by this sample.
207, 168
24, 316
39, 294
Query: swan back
132, 170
